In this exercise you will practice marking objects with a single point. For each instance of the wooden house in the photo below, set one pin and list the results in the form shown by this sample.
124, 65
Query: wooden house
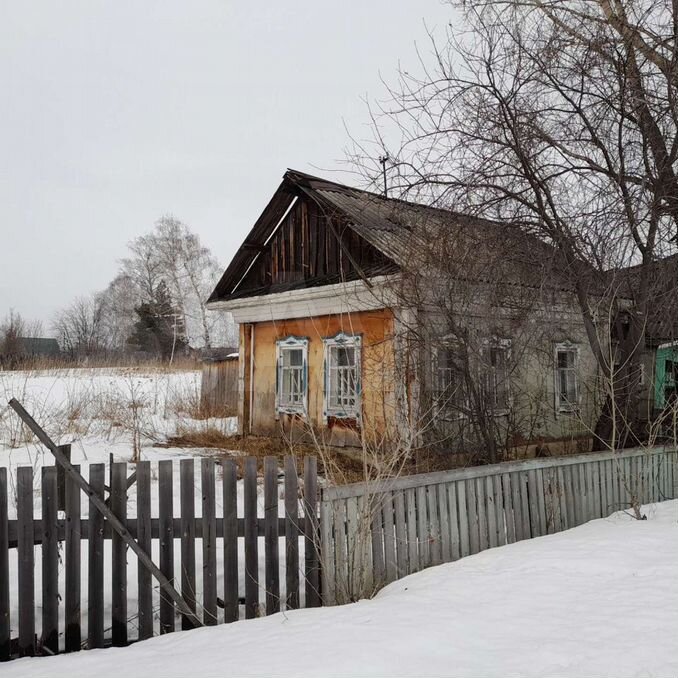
326, 327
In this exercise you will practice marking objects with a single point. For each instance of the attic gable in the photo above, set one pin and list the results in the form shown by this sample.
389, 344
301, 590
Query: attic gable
297, 242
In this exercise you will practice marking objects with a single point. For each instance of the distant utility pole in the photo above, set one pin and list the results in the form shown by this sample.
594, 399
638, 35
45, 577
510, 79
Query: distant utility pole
383, 159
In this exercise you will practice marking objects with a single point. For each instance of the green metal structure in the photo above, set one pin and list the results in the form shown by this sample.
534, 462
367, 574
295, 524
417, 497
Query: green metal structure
666, 375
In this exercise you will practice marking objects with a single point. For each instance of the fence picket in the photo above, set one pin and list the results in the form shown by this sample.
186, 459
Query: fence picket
455, 545
473, 513
433, 526
377, 541
389, 537
353, 550
509, 515
412, 545
464, 528
166, 528
535, 522
118, 483
272, 565
187, 527
499, 510
422, 529
562, 501
50, 561
516, 504
492, 536
328, 538
311, 547
444, 518
401, 533
291, 534
5, 639
230, 508
251, 539
72, 549
342, 581
209, 542
95, 561
481, 508
25, 558
144, 577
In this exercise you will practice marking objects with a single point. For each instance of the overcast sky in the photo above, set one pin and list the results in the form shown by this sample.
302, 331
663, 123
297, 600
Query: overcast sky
115, 113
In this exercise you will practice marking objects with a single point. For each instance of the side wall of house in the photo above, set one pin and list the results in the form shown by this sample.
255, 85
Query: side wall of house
376, 329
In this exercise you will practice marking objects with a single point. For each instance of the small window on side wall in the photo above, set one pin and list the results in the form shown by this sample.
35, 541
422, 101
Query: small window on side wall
497, 373
567, 377
342, 376
448, 391
292, 375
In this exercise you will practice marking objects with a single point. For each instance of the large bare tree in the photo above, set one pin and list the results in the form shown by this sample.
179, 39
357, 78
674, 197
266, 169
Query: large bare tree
558, 117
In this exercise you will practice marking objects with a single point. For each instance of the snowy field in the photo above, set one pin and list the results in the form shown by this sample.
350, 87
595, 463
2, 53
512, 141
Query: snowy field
597, 600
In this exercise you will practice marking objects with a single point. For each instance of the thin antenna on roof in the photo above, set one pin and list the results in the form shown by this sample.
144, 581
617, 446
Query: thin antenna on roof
383, 159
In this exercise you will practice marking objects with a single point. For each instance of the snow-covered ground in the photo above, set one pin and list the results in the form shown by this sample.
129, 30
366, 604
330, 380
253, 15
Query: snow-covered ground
93, 410
597, 600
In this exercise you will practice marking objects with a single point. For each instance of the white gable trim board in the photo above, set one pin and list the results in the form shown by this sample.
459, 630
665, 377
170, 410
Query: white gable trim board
346, 297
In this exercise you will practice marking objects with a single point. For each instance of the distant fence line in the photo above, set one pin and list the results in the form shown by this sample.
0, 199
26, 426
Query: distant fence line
24, 533
373, 534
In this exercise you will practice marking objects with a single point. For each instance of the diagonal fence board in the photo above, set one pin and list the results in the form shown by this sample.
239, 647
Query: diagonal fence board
100, 505
273, 532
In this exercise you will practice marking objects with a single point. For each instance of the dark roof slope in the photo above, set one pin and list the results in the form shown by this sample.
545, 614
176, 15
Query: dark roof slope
398, 228
662, 323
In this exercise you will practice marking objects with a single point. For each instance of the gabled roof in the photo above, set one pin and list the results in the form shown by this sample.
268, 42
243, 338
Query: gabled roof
394, 227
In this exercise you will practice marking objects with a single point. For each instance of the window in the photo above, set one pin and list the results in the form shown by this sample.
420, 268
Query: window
497, 376
292, 375
342, 376
448, 391
567, 387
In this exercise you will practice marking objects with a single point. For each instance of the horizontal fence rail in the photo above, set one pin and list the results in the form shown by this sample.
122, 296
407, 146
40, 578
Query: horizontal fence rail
232, 548
375, 533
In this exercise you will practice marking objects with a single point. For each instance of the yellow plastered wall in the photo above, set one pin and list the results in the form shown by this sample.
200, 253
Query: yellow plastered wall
376, 329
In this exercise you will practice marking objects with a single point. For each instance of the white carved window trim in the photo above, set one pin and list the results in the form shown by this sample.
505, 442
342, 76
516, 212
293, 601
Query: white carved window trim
296, 375
572, 349
336, 375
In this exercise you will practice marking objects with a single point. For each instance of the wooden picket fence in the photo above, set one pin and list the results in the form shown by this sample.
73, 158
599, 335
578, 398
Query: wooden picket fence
375, 533
60, 625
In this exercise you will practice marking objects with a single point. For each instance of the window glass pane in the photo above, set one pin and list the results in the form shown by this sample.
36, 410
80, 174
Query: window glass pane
342, 376
293, 356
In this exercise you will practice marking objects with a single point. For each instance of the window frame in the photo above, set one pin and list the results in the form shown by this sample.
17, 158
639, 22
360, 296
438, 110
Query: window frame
489, 345
454, 407
566, 408
342, 340
289, 344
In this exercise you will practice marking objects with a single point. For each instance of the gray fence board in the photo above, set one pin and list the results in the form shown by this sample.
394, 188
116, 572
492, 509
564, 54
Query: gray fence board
143, 532
209, 543
5, 640
95, 562
50, 561
451, 514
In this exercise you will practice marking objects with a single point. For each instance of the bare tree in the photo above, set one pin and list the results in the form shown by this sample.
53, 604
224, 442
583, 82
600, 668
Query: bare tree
79, 327
558, 117
173, 254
